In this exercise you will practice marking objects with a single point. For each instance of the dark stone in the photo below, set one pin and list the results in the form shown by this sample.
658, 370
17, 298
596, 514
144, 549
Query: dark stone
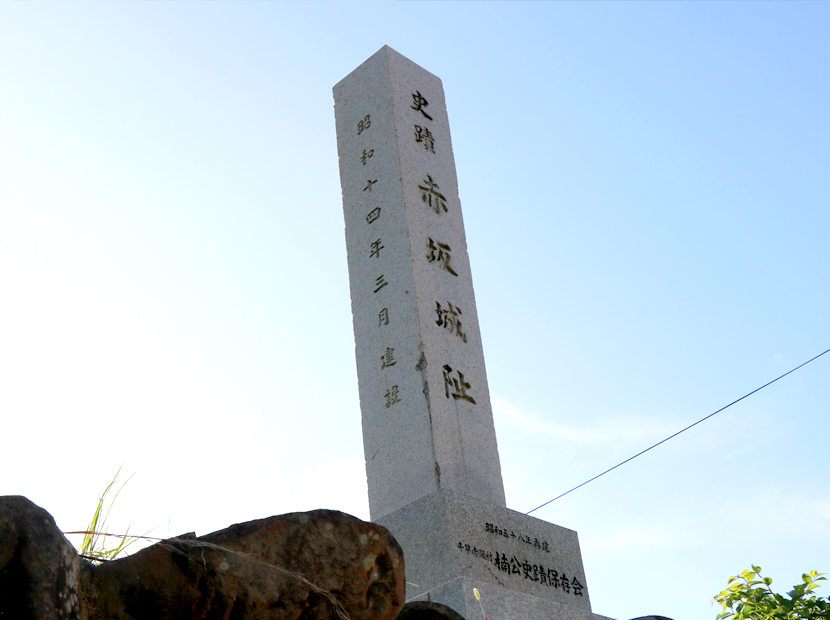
320, 565
257, 570
425, 610
38, 566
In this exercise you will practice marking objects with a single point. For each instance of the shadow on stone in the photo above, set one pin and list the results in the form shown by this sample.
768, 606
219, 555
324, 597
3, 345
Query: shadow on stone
424, 610
38, 566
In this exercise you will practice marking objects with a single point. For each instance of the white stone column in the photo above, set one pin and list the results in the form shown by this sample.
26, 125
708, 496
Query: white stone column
427, 420
431, 457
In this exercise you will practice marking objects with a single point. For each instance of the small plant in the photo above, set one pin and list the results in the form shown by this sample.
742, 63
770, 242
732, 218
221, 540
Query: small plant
742, 600
478, 598
94, 546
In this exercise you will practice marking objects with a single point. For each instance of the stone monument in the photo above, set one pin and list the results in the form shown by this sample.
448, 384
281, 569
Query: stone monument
432, 461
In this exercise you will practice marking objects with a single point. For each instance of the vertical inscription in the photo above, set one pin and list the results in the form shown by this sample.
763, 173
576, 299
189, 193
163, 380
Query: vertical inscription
439, 253
424, 136
373, 215
376, 247
450, 319
366, 155
456, 386
430, 195
419, 104
388, 358
380, 282
414, 314
391, 396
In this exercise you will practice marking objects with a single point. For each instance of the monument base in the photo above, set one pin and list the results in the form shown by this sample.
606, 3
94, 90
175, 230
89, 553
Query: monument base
500, 602
524, 568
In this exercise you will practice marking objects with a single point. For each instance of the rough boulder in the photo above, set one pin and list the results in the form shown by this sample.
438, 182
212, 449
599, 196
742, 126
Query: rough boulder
319, 565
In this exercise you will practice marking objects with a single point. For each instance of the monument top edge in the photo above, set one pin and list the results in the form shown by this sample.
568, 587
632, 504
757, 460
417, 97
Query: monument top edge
454, 498
390, 55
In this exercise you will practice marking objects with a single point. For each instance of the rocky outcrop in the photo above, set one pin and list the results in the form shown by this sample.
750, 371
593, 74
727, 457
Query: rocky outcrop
319, 565
38, 566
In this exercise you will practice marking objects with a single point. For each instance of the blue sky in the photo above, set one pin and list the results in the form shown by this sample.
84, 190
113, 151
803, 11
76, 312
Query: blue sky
645, 191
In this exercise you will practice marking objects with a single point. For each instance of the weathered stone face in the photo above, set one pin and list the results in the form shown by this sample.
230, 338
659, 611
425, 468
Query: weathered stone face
319, 565
261, 569
38, 566
522, 566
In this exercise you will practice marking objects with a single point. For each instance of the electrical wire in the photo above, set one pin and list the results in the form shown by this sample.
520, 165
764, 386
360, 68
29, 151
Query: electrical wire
678, 432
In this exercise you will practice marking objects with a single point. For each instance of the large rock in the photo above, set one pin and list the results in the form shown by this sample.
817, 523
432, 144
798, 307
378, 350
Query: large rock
319, 565
300, 565
38, 566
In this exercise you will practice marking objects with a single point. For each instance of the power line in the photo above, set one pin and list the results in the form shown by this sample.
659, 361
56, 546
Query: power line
678, 432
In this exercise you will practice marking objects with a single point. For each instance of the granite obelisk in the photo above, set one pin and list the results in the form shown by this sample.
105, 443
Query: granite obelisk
432, 461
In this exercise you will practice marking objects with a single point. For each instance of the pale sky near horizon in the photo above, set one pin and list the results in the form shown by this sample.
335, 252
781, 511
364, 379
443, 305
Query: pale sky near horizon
645, 191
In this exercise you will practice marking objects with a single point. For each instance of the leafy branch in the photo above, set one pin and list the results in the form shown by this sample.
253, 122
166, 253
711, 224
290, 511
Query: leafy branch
749, 597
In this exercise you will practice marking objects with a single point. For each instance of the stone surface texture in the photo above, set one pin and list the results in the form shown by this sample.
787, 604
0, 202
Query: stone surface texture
454, 543
501, 602
427, 420
39, 568
299, 566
